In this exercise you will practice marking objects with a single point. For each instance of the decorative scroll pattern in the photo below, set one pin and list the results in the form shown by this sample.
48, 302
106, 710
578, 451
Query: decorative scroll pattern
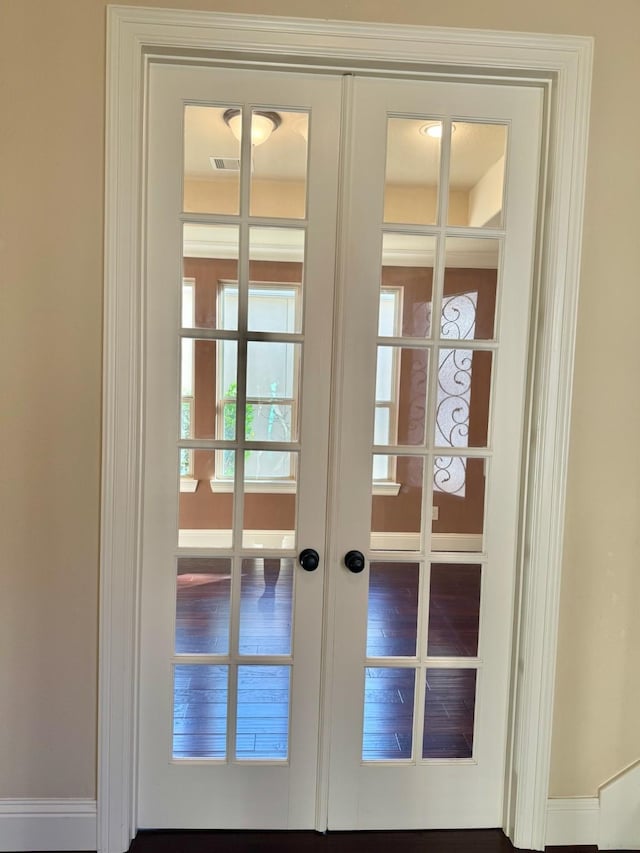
454, 392
449, 474
459, 316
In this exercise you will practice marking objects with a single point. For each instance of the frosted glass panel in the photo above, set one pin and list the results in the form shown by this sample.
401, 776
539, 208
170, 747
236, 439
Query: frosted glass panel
463, 395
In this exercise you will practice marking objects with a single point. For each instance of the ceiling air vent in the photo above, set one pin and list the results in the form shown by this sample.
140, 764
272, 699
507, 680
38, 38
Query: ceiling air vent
225, 164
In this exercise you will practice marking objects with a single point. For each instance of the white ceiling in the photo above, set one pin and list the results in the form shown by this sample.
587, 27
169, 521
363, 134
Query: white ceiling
413, 158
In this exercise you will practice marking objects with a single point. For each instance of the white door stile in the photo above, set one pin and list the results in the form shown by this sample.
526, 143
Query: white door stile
134, 36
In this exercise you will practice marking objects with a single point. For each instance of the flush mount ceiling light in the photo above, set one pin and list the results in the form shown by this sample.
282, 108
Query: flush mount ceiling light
434, 129
263, 123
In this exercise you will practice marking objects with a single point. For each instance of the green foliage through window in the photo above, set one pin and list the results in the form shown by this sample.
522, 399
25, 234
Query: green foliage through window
185, 432
229, 414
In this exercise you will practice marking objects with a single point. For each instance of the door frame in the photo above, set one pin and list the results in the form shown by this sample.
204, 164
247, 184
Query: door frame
561, 65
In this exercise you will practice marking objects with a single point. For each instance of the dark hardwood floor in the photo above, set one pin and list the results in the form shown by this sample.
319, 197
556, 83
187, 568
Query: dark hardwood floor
202, 625
434, 841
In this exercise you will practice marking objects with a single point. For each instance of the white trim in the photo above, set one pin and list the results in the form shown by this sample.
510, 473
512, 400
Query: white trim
213, 241
440, 542
285, 539
611, 821
285, 487
385, 487
544, 492
258, 539
462, 542
563, 64
188, 484
44, 824
620, 811
572, 821
258, 487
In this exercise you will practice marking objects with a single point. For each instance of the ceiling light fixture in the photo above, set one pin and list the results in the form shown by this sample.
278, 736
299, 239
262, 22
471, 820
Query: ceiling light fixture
434, 129
263, 123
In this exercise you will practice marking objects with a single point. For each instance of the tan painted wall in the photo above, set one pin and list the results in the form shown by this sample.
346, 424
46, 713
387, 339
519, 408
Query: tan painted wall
284, 198
51, 200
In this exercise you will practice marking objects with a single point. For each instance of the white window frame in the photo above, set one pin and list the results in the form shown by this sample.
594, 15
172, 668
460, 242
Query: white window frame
388, 485
188, 483
288, 484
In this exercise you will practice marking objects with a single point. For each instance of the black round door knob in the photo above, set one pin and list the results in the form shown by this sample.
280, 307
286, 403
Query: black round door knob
309, 559
354, 561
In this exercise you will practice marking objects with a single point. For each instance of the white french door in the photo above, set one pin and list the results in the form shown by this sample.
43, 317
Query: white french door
239, 318
336, 339
428, 488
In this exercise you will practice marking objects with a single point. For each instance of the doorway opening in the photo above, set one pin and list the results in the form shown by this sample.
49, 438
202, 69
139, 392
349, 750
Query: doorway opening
122, 476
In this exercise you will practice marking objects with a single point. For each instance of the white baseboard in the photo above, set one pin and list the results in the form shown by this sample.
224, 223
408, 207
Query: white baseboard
620, 811
573, 820
47, 824
285, 539
611, 820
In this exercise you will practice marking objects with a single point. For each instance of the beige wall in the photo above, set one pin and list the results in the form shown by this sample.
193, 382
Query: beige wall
287, 198
51, 199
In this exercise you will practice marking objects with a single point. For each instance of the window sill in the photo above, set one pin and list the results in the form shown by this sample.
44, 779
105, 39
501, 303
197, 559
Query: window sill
188, 484
381, 487
286, 487
261, 487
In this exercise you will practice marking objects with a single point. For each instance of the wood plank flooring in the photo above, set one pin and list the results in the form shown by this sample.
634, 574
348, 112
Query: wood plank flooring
434, 841
441, 841
202, 626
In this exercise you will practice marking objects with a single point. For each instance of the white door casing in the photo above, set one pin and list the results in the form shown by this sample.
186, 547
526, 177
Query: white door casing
562, 65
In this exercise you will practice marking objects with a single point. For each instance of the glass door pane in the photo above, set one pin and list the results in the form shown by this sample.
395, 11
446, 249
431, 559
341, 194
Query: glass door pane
240, 393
